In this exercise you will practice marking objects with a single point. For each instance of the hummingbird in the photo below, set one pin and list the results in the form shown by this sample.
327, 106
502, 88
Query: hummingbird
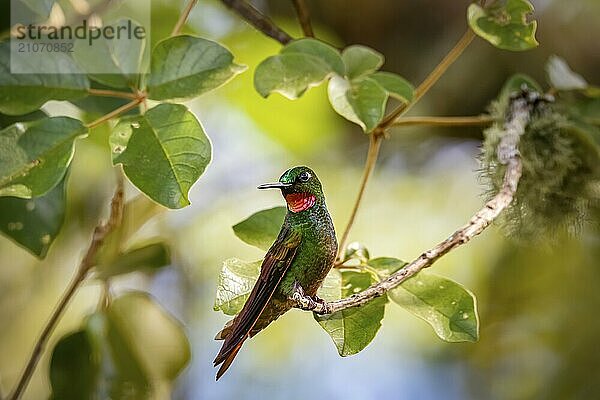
293, 268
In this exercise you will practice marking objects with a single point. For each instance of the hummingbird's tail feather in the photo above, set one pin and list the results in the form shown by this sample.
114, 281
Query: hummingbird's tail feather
228, 360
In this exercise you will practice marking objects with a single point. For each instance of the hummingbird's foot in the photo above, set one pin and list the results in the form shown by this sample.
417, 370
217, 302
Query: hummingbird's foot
308, 303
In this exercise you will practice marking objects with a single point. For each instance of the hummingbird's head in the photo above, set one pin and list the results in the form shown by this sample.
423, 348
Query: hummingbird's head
300, 187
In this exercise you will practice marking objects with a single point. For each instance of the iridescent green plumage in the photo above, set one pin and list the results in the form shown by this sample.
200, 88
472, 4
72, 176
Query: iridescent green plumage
302, 254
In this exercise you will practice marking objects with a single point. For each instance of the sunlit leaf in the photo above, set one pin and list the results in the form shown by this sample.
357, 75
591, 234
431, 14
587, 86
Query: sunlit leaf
354, 328
35, 155
236, 280
261, 228
447, 306
361, 60
146, 258
117, 62
361, 101
163, 152
185, 66
53, 77
34, 223
386, 266
562, 77
316, 48
504, 24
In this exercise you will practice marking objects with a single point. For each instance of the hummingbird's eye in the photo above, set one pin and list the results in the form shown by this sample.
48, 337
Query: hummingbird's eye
304, 176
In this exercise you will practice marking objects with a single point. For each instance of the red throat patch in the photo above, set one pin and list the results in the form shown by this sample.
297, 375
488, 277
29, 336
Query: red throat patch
300, 201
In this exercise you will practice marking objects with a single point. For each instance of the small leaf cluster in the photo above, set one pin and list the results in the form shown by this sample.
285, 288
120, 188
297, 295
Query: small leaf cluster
445, 305
357, 90
560, 153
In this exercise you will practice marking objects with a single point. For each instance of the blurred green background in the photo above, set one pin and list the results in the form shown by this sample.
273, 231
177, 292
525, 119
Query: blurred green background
537, 304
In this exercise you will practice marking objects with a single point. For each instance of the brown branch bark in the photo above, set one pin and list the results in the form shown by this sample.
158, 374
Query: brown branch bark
88, 261
508, 154
303, 17
183, 17
258, 20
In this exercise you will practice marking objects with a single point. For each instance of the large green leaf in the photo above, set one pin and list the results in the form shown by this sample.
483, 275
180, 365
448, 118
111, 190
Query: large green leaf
35, 155
185, 66
447, 306
261, 228
34, 223
302, 64
361, 60
52, 77
7, 120
145, 258
116, 62
163, 152
361, 101
132, 350
504, 24
236, 280
354, 328
562, 77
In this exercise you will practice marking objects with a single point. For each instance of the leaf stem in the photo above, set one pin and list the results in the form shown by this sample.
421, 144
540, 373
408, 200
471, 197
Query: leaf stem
115, 113
258, 20
112, 93
88, 261
183, 17
379, 132
371, 160
478, 120
303, 17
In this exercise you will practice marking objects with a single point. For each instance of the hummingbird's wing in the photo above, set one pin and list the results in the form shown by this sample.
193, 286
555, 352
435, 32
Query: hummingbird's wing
274, 266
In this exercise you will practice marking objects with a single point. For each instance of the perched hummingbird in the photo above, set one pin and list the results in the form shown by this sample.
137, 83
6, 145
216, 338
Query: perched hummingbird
296, 263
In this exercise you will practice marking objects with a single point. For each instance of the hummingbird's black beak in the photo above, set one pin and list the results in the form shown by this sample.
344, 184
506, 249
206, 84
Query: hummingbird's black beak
274, 185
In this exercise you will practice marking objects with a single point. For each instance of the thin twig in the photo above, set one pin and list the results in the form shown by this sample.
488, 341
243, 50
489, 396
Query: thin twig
112, 93
508, 154
115, 113
386, 123
371, 160
183, 17
258, 20
479, 120
303, 17
88, 261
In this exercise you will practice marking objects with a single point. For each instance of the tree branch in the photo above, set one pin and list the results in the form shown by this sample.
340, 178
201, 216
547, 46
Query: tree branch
112, 93
303, 17
183, 17
115, 113
88, 261
258, 20
479, 120
507, 152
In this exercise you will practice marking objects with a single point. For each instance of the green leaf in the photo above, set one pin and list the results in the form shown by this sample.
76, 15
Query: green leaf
312, 47
386, 266
562, 77
447, 306
155, 337
354, 328
261, 228
184, 67
236, 280
34, 223
289, 74
147, 258
28, 90
74, 367
504, 24
357, 251
301, 64
40, 7
163, 152
395, 85
7, 120
132, 350
361, 60
360, 101
35, 155
116, 62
